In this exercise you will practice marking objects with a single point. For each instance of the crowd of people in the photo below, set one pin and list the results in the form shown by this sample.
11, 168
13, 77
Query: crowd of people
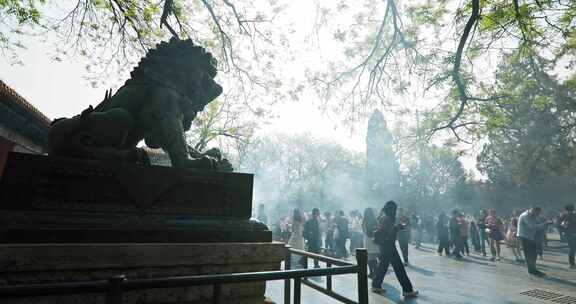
456, 234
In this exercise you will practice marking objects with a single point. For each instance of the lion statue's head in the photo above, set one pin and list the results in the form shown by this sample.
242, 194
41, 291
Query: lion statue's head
184, 67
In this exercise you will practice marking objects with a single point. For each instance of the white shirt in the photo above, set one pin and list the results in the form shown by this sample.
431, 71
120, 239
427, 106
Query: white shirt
528, 225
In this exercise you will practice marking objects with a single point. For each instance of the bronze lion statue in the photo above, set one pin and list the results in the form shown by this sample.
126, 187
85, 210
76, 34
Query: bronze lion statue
170, 85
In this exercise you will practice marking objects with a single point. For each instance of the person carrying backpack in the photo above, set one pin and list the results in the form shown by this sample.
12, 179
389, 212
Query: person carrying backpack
385, 237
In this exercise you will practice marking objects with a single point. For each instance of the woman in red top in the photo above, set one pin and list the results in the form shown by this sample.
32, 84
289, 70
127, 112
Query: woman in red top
494, 227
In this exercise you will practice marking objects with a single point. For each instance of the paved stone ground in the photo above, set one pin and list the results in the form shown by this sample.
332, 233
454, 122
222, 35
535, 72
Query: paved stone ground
444, 280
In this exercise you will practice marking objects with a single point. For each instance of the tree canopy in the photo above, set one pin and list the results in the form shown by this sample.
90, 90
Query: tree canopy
380, 51
493, 74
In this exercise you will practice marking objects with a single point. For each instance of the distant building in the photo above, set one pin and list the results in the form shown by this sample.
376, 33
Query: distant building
22, 127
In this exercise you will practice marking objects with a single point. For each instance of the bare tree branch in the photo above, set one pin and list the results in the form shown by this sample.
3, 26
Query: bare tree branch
456, 76
167, 11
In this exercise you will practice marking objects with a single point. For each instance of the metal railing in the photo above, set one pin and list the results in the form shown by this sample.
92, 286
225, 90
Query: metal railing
116, 286
360, 269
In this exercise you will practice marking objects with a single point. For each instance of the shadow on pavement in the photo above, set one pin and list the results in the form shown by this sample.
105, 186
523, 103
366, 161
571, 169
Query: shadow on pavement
393, 294
424, 248
552, 252
479, 261
565, 268
555, 262
421, 270
560, 281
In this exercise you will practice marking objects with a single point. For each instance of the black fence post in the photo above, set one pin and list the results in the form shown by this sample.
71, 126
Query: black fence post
329, 278
362, 260
114, 294
287, 266
297, 290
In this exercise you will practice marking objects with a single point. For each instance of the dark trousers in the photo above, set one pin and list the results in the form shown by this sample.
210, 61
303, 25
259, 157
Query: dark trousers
314, 247
540, 247
340, 249
483, 241
530, 254
356, 241
458, 245
571, 238
444, 244
465, 247
404, 248
329, 240
476, 241
389, 255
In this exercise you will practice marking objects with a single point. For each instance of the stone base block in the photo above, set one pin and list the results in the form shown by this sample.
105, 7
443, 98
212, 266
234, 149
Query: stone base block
64, 200
52, 263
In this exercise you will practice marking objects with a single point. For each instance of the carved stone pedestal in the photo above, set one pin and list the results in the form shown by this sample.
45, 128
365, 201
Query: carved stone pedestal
52, 263
62, 200
72, 220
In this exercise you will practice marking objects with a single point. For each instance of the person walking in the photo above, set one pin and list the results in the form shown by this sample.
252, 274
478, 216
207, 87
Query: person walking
455, 234
329, 232
385, 238
296, 240
341, 234
404, 235
474, 235
369, 225
568, 227
429, 228
417, 230
443, 234
541, 238
464, 232
356, 236
481, 223
511, 237
528, 226
312, 234
494, 228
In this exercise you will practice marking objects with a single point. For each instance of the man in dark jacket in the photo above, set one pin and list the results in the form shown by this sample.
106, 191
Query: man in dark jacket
568, 227
455, 234
443, 234
312, 234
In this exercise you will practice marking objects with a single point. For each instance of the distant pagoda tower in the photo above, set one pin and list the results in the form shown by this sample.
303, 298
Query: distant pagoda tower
382, 169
